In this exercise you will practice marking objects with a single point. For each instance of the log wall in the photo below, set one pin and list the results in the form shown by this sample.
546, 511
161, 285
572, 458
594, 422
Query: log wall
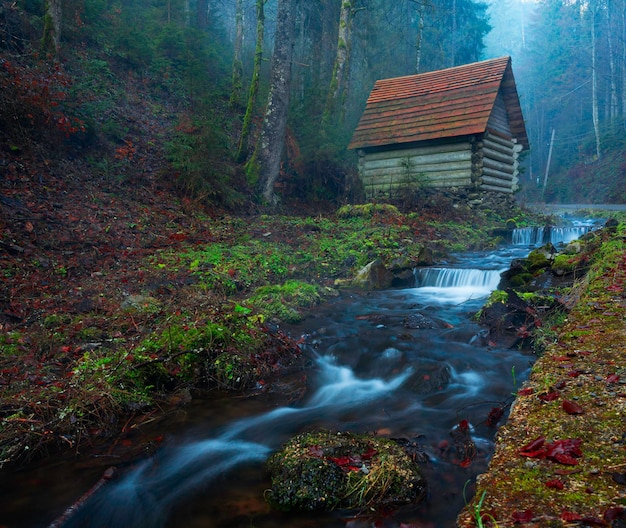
388, 173
498, 167
487, 162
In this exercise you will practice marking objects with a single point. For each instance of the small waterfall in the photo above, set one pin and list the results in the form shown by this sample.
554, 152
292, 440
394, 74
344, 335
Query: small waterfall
565, 235
529, 236
537, 236
458, 278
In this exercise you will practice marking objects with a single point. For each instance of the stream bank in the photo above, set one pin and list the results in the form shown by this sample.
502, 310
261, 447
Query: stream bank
560, 460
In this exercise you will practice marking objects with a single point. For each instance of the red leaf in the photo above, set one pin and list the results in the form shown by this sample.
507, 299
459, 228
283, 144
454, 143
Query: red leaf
549, 396
341, 461
466, 462
555, 484
570, 516
369, 454
571, 407
523, 517
526, 392
534, 448
494, 416
564, 451
612, 378
566, 471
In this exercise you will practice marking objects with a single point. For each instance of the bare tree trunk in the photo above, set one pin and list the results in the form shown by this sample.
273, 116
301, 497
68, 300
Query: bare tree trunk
53, 23
237, 76
242, 152
265, 163
420, 35
454, 34
623, 41
613, 104
594, 84
342, 59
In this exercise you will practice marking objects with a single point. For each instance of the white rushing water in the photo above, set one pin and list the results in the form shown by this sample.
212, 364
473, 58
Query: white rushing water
537, 236
145, 496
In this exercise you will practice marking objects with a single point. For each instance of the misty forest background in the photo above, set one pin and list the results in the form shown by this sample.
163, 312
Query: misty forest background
70, 71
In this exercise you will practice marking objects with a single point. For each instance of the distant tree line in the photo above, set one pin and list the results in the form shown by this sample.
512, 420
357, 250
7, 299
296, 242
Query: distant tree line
570, 69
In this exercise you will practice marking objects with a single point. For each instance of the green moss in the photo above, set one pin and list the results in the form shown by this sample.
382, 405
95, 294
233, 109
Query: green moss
565, 264
367, 210
537, 259
325, 471
283, 302
521, 279
497, 296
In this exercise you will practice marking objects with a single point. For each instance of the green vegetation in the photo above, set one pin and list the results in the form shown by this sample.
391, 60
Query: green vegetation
282, 302
323, 470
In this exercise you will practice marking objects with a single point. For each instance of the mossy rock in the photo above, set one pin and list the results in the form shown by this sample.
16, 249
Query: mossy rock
367, 210
324, 471
521, 279
537, 259
540, 301
565, 264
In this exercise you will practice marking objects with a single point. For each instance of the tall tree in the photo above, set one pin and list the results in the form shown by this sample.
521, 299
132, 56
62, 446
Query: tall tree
242, 151
594, 81
342, 62
265, 163
235, 94
52, 25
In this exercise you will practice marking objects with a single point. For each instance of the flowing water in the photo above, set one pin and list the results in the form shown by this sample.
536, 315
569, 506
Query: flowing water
405, 363
538, 236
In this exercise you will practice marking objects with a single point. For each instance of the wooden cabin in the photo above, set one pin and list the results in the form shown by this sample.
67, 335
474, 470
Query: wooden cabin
460, 127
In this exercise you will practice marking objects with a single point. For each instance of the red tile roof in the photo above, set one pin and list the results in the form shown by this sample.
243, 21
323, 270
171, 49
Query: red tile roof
440, 104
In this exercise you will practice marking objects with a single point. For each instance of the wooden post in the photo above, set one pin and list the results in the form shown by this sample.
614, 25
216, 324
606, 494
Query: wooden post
545, 179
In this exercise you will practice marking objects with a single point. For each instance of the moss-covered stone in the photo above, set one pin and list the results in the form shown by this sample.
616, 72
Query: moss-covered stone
325, 470
538, 259
563, 264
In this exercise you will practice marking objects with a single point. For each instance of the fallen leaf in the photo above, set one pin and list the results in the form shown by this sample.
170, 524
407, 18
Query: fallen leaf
555, 484
570, 516
563, 451
549, 396
523, 517
571, 407
494, 416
